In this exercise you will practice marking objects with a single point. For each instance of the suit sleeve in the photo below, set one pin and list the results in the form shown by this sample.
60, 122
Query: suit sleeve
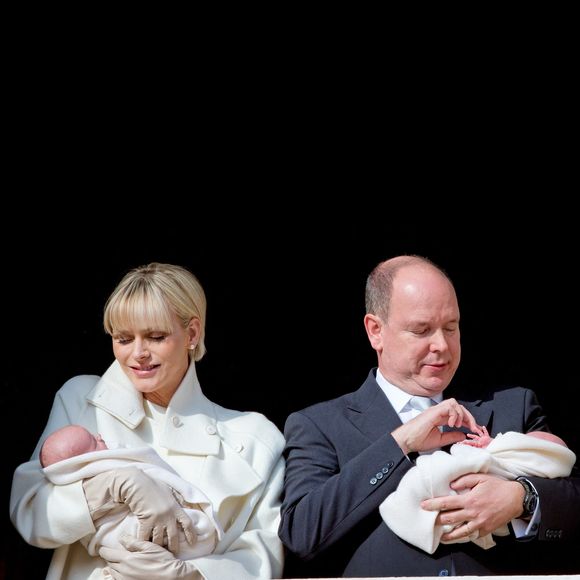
324, 499
559, 497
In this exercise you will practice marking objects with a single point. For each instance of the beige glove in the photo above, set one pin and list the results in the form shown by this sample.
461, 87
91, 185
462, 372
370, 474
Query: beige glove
146, 560
160, 516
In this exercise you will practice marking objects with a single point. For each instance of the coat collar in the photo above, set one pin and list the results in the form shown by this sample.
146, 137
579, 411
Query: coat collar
190, 420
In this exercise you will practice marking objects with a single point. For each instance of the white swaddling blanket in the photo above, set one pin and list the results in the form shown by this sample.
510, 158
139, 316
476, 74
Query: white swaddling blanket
109, 527
509, 455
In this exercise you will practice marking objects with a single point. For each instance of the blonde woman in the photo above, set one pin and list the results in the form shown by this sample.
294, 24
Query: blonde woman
150, 395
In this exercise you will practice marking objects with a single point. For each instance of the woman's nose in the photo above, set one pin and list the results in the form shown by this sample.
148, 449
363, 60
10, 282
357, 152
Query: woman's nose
140, 351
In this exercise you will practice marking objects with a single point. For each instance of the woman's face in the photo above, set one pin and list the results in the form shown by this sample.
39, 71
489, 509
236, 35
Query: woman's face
156, 361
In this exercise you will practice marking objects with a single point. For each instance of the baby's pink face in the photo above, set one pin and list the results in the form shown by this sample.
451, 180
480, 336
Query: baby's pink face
88, 442
99, 443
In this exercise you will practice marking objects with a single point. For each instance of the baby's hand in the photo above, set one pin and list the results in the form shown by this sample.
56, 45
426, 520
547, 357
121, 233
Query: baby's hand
478, 440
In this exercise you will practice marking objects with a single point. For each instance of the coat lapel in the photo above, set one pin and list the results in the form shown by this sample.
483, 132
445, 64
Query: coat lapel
190, 419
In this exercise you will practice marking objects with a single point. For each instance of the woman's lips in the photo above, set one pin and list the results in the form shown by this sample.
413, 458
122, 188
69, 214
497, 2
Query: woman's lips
145, 372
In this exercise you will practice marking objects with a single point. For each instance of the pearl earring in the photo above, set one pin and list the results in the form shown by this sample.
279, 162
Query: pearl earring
191, 346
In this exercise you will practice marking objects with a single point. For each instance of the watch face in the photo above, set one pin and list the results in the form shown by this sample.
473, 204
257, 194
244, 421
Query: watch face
531, 503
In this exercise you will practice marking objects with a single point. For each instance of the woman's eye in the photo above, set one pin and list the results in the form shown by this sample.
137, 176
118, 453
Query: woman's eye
121, 340
157, 338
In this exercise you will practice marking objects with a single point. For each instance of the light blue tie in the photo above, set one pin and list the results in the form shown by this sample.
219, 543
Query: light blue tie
420, 403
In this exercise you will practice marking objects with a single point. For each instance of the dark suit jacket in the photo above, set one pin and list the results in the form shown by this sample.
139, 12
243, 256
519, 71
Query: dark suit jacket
341, 464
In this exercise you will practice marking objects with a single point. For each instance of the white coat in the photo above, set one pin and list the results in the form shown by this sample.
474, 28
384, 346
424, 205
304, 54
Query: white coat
234, 457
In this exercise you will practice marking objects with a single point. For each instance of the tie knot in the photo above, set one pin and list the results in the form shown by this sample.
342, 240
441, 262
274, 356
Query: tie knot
420, 403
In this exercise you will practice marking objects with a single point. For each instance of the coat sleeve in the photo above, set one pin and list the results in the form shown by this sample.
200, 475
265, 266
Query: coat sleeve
257, 552
47, 515
324, 498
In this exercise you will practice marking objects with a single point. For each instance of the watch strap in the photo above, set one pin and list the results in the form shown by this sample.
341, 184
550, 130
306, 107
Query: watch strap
530, 501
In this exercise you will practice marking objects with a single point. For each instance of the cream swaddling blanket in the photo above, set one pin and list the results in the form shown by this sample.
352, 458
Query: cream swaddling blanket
509, 455
109, 527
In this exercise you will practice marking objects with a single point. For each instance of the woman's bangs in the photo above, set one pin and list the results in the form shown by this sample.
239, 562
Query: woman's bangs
143, 313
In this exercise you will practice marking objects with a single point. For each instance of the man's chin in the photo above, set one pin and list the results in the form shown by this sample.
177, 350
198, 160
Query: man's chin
435, 384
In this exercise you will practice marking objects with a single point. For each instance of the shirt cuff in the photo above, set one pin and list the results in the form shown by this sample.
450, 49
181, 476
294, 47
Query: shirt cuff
527, 530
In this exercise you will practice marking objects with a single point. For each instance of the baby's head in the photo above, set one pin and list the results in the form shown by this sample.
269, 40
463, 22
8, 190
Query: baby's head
68, 442
547, 437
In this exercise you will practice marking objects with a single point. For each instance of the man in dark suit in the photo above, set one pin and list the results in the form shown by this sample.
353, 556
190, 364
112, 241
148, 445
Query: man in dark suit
345, 456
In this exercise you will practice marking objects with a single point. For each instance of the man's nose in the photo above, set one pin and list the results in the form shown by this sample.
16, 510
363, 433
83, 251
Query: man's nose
439, 341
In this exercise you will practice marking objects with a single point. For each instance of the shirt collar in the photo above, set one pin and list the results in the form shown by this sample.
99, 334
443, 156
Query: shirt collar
397, 397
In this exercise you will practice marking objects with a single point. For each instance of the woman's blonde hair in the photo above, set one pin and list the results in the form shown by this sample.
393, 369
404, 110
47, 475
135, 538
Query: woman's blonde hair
149, 296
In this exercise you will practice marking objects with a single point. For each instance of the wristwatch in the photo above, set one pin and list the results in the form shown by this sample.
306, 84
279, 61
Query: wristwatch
530, 502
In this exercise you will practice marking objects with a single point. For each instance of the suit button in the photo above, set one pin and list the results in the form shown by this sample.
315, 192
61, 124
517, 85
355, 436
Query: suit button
373, 481
238, 447
379, 475
210, 429
385, 470
390, 464
443, 572
177, 422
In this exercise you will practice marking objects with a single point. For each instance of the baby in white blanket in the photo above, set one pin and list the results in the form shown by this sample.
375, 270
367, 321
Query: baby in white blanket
508, 455
73, 453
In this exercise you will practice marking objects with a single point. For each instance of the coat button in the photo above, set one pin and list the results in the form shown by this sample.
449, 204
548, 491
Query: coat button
210, 429
379, 475
373, 481
177, 422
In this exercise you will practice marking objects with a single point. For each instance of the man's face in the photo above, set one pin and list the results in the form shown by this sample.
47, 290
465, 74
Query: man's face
419, 342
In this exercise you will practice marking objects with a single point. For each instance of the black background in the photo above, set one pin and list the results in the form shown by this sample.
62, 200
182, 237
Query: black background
285, 292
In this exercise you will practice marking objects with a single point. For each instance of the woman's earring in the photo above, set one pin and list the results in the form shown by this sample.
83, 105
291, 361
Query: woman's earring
191, 346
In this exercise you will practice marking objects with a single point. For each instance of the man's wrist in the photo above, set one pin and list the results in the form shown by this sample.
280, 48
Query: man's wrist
530, 501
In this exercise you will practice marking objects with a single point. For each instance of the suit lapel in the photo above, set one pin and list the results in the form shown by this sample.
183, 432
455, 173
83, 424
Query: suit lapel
370, 411
480, 409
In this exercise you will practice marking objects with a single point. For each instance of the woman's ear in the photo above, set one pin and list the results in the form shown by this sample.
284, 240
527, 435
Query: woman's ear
193, 331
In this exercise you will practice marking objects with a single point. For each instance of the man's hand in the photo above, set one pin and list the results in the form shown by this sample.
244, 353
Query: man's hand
145, 560
422, 433
160, 516
484, 503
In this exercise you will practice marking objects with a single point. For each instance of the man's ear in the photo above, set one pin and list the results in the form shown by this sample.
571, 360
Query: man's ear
373, 326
